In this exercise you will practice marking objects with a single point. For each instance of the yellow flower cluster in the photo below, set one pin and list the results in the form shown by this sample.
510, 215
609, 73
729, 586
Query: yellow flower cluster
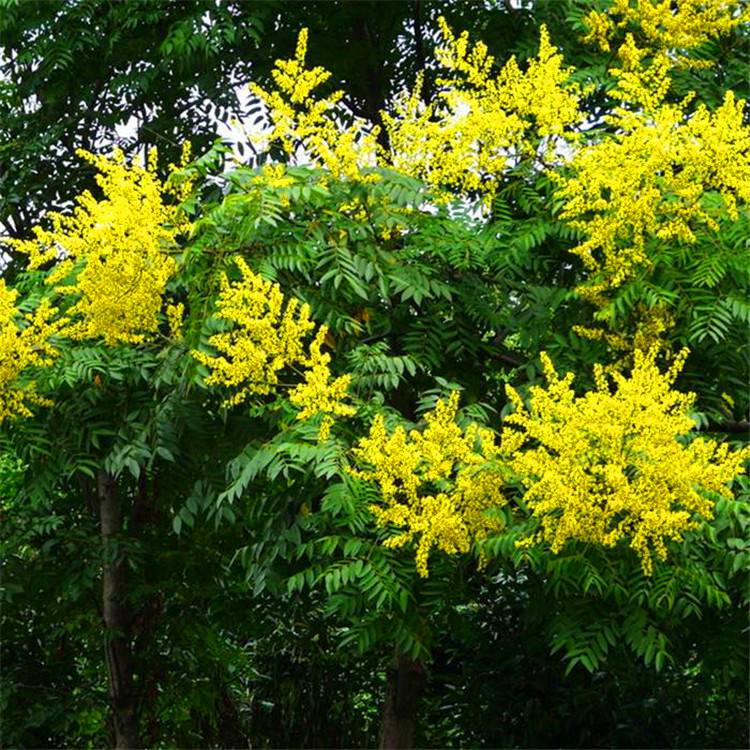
436, 485
266, 335
664, 24
24, 343
319, 394
175, 314
479, 123
642, 81
645, 182
302, 123
274, 176
111, 255
650, 325
463, 140
616, 465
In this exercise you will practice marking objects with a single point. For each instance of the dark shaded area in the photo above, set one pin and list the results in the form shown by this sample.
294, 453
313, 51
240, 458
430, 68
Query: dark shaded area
250, 669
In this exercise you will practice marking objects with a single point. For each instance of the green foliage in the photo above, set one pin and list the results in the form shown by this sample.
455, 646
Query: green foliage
261, 601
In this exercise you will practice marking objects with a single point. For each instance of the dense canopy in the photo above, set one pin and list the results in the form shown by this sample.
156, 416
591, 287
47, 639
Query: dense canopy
418, 415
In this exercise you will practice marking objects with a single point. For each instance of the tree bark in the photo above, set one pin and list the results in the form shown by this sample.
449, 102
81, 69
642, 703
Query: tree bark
404, 686
117, 649
742, 427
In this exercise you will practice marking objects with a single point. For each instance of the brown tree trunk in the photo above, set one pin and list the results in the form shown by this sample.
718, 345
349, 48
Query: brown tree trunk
404, 685
116, 640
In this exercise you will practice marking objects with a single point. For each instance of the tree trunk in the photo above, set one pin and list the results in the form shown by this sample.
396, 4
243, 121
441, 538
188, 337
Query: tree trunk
116, 640
404, 685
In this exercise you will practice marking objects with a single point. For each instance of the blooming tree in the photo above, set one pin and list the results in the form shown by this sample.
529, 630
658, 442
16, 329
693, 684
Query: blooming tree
312, 329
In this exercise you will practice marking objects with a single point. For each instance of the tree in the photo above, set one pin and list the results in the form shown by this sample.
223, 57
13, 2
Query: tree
281, 349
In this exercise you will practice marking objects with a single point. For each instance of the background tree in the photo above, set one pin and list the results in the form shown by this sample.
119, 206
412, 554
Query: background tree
165, 72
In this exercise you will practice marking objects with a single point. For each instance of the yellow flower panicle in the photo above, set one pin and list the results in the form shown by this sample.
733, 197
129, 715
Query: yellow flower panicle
112, 255
180, 183
643, 82
461, 141
649, 324
665, 25
614, 465
175, 314
304, 124
479, 122
319, 394
436, 485
646, 184
274, 176
267, 334
24, 344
